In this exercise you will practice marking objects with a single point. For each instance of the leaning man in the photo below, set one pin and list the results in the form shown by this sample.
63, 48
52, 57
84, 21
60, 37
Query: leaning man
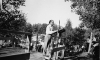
49, 31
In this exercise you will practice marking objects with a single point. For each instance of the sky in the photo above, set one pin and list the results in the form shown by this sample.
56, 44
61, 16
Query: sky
41, 11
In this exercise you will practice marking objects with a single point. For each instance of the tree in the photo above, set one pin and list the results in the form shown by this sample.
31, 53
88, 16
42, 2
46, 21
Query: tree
28, 28
43, 29
10, 17
36, 28
68, 28
40, 28
68, 33
79, 36
89, 11
73, 36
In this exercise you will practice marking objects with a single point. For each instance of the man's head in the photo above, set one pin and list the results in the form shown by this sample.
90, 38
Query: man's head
51, 22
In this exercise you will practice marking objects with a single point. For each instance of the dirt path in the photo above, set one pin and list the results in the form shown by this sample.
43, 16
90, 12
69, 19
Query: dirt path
36, 56
39, 56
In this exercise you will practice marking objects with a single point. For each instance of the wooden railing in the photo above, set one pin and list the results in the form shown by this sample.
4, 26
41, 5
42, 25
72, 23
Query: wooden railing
15, 53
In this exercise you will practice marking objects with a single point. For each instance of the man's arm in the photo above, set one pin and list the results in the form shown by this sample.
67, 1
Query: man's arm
49, 31
96, 44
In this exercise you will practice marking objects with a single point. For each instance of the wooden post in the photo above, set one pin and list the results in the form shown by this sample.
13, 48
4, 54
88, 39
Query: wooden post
0, 4
30, 41
58, 37
90, 42
27, 45
36, 41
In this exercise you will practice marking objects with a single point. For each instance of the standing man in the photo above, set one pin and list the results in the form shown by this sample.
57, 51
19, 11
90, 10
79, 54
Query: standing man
49, 31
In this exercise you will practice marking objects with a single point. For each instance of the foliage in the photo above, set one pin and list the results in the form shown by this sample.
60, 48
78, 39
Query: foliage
68, 33
15, 3
56, 27
73, 36
68, 29
11, 18
36, 28
28, 28
43, 28
39, 28
79, 35
89, 11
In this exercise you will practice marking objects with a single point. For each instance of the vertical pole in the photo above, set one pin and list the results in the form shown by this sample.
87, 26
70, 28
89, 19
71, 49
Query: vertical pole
30, 41
59, 24
0, 5
27, 45
37, 41
57, 41
90, 42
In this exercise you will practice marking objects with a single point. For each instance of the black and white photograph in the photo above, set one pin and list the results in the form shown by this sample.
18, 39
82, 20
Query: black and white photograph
49, 30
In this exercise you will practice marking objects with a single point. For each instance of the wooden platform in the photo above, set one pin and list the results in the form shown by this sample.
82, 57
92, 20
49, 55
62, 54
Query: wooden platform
13, 54
58, 49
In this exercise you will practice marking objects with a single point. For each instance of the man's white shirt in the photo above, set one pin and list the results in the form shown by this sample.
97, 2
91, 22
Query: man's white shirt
49, 29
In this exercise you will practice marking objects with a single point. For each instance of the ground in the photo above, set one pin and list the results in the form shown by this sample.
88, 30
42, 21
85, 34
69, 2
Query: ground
39, 56
36, 56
